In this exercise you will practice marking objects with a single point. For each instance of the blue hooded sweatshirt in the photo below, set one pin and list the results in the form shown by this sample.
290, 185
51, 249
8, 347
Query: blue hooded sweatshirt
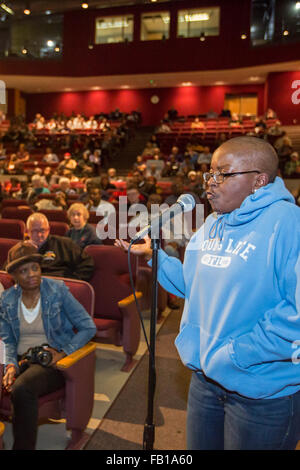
240, 280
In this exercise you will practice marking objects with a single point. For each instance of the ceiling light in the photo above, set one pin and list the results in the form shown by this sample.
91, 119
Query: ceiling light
50, 43
48, 12
219, 83
27, 10
196, 17
90, 46
96, 88
24, 50
202, 37
84, 5
57, 48
7, 9
125, 87
186, 84
285, 32
297, 5
67, 89
243, 36
254, 79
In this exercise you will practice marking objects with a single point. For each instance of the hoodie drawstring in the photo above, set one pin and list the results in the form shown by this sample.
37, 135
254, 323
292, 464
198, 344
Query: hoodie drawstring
217, 228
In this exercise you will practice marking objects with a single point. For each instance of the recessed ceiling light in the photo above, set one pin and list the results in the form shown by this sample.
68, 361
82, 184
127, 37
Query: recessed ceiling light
125, 87
24, 50
243, 36
254, 79
219, 83
186, 84
96, 88
84, 5
50, 43
285, 32
48, 12
67, 89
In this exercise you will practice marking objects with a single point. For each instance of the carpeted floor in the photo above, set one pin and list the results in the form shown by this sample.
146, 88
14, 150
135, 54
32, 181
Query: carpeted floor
122, 427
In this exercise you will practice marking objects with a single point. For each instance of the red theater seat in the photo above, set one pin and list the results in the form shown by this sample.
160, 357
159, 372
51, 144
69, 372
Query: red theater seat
115, 315
12, 228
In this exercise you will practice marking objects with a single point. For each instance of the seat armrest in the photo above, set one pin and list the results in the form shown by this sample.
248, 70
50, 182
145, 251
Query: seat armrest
128, 300
71, 359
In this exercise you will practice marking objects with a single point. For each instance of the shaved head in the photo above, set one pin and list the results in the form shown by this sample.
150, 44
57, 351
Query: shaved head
256, 153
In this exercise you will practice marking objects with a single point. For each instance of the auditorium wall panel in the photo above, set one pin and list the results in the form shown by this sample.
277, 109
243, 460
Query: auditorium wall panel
187, 100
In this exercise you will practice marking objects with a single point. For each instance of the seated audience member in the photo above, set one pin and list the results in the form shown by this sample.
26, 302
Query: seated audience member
270, 114
61, 256
139, 165
84, 166
275, 130
37, 188
23, 192
105, 183
91, 123
186, 166
205, 156
50, 177
98, 205
197, 124
171, 168
292, 166
195, 183
112, 174
67, 163
164, 128
281, 139
82, 233
284, 153
58, 203
235, 120
64, 186
134, 196
175, 153
31, 300
50, 157
211, 114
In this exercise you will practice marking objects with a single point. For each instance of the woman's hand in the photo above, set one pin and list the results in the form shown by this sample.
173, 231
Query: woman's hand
9, 377
56, 355
141, 249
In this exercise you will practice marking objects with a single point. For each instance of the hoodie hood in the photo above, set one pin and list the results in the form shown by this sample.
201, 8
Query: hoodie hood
252, 207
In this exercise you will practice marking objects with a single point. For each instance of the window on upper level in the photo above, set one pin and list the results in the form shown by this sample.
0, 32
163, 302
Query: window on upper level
112, 29
155, 26
196, 22
275, 22
39, 37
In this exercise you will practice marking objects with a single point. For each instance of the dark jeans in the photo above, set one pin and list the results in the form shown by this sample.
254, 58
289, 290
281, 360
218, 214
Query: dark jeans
31, 384
222, 420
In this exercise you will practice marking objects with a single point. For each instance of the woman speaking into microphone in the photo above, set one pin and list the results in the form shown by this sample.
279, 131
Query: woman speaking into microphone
241, 321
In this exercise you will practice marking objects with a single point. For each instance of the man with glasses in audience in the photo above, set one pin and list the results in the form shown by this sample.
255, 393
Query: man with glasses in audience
61, 256
240, 328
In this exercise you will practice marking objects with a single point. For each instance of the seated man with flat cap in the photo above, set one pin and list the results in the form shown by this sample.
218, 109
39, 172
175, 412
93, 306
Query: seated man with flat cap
61, 256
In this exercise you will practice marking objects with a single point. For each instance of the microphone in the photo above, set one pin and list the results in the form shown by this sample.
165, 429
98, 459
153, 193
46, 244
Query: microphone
184, 203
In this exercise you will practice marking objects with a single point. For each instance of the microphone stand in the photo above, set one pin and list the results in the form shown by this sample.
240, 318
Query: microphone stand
149, 427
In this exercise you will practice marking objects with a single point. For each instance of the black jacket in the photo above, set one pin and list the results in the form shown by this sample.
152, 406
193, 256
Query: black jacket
62, 257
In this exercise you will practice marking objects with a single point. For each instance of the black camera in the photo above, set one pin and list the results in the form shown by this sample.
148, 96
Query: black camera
38, 355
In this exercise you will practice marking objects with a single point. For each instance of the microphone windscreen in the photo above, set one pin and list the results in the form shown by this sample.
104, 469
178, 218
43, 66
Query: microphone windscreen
187, 201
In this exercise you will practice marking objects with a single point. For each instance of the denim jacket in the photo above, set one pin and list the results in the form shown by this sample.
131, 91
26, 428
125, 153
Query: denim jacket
61, 312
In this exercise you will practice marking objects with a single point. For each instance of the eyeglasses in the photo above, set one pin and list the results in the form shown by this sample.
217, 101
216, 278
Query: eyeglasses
219, 177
